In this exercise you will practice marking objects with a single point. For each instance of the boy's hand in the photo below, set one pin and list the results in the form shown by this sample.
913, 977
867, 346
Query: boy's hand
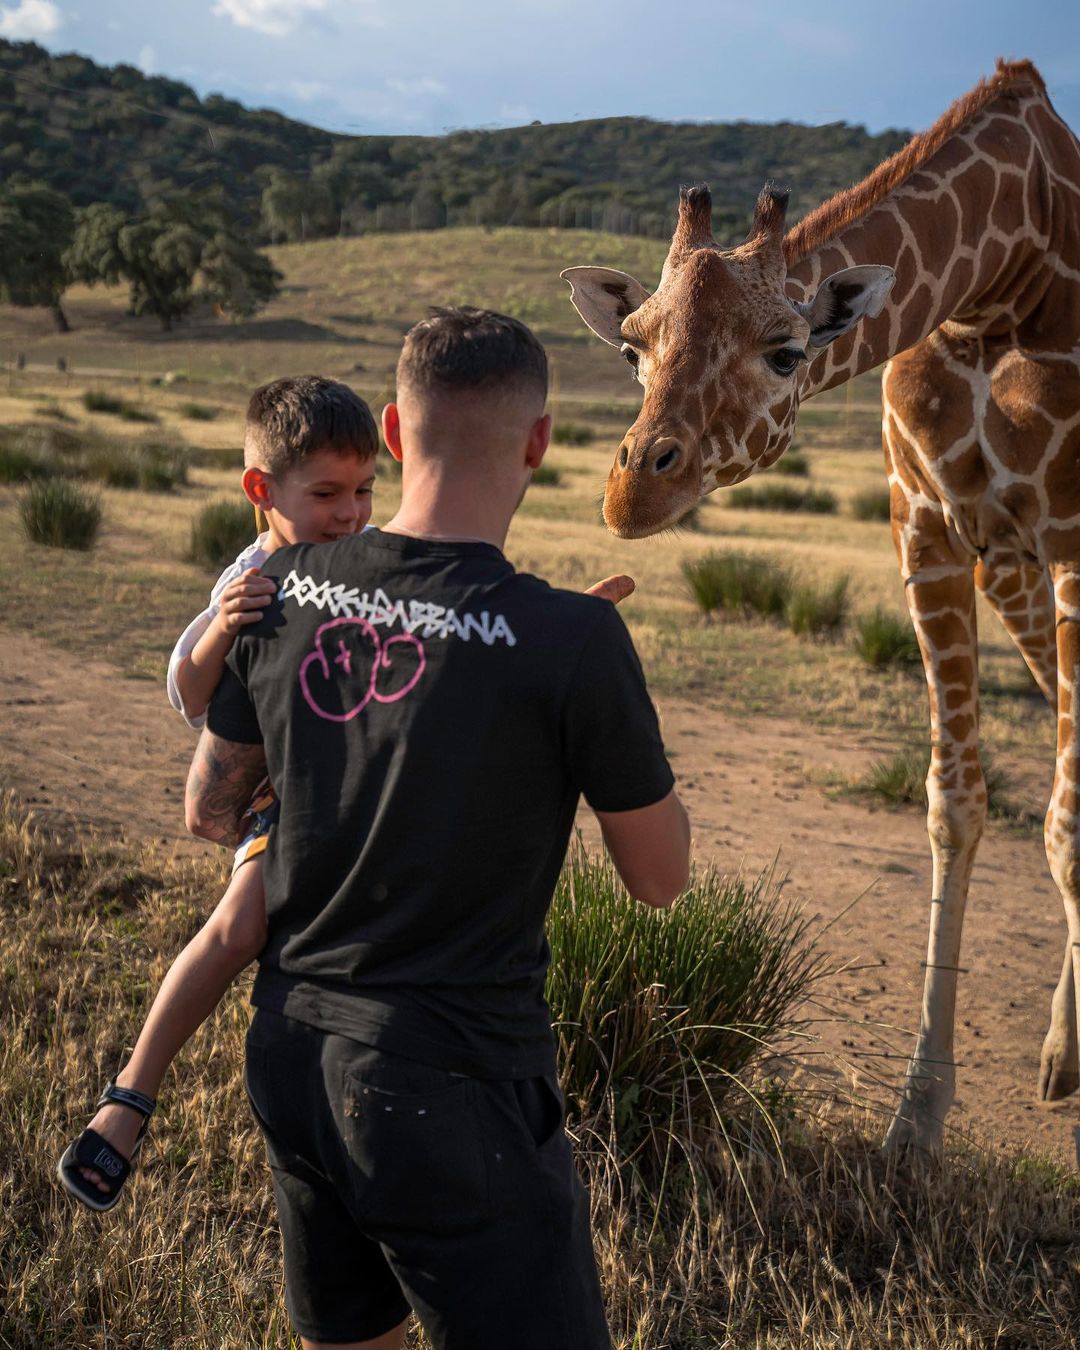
243, 601
614, 588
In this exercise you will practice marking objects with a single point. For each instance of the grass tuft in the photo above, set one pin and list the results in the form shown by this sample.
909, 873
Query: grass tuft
885, 639
871, 505
97, 401
21, 463
546, 475
199, 412
572, 433
745, 585
738, 583
134, 412
61, 514
783, 497
814, 612
792, 465
220, 531
901, 781
661, 1011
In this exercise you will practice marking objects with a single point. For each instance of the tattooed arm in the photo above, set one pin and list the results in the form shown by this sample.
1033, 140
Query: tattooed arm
222, 777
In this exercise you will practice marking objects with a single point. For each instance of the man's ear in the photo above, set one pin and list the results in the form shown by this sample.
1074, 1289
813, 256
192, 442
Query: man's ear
391, 430
539, 436
843, 299
256, 485
603, 298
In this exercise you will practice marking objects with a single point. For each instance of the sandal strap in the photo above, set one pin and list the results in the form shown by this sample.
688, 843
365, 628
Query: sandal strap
138, 1101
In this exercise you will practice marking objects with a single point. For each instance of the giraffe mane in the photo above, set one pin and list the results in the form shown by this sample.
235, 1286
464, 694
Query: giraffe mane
829, 219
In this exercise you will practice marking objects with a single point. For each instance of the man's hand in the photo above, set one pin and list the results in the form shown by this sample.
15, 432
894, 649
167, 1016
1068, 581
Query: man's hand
243, 601
614, 588
222, 777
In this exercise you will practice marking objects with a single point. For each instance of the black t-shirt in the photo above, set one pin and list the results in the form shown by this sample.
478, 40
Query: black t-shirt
430, 718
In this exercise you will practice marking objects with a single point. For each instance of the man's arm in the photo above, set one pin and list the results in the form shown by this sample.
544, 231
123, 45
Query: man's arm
650, 848
222, 777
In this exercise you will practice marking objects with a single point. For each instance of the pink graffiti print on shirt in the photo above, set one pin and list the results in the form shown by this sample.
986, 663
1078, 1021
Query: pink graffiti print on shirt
352, 651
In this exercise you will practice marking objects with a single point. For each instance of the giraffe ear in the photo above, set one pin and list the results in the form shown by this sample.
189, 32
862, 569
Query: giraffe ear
603, 298
843, 299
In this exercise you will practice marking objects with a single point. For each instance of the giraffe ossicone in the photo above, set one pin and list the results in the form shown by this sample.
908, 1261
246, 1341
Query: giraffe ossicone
957, 262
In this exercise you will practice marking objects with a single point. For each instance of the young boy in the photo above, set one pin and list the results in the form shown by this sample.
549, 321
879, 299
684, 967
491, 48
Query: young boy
309, 456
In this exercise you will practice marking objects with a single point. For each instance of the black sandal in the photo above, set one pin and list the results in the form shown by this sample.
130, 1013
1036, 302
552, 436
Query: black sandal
91, 1150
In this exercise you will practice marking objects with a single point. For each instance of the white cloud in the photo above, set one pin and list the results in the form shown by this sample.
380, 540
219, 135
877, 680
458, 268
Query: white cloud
421, 86
275, 18
279, 18
147, 60
32, 19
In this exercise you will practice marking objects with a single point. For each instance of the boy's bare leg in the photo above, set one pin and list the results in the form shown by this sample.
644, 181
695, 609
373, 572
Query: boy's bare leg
392, 1340
230, 939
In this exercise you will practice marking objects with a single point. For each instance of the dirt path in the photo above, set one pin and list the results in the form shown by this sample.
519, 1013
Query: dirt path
79, 742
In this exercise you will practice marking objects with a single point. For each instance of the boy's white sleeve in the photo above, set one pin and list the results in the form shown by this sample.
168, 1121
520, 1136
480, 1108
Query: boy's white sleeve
253, 556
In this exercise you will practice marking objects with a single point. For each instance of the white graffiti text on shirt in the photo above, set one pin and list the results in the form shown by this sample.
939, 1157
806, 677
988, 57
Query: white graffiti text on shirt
411, 616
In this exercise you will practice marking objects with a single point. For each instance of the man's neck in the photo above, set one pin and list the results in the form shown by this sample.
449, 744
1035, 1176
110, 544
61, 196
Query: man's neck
461, 512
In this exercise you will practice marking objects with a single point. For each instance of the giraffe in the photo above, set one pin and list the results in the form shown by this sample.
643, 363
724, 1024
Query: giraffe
957, 262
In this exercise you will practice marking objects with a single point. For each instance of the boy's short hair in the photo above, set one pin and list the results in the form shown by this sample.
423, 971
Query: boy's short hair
289, 419
467, 350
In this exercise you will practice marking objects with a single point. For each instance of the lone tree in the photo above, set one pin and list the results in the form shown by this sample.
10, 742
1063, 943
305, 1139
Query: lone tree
181, 251
36, 226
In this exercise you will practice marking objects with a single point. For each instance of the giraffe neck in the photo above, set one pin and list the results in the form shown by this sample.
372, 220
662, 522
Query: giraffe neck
979, 235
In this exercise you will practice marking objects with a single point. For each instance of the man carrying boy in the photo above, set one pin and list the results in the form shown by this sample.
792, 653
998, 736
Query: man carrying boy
429, 718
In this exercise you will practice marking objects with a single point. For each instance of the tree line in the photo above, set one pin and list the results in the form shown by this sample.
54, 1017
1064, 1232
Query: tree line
107, 174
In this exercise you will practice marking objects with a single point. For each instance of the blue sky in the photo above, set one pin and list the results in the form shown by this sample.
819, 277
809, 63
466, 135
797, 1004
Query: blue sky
427, 66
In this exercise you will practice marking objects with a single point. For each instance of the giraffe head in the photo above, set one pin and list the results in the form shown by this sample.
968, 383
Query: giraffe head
721, 351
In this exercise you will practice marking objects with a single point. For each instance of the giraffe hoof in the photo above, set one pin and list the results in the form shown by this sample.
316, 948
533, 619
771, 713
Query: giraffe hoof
1057, 1081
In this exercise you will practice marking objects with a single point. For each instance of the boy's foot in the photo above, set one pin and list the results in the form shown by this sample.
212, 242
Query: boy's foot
94, 1168
119, 1126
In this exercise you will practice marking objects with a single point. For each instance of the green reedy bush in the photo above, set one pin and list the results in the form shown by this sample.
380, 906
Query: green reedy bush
114, 465
572, 433
162, 466
658, 1012
220, 531
739, 583
546, 475
96, 400
871, 505
133, 412
901, 781
885, 639
782, 497
198, 412
792, 465
22, 463
819, 613
61, 514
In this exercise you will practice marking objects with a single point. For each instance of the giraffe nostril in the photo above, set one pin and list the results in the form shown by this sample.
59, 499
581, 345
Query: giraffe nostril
623, 456
666, 461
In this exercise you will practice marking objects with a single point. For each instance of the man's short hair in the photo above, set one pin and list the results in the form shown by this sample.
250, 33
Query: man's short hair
292, 418
467, 350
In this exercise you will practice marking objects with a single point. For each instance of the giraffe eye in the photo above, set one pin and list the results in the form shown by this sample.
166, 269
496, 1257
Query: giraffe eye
785, 360
631, 354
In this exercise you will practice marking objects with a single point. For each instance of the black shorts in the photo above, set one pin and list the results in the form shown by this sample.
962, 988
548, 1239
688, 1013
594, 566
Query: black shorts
401, 1186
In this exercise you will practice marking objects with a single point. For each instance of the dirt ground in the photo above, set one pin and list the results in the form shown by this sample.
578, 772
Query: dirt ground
79, 742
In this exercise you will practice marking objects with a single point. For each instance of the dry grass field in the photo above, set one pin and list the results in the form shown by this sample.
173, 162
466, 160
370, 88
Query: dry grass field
818, 1242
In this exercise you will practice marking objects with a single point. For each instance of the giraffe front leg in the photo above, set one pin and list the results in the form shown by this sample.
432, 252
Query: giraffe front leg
942, 604
1059, 1074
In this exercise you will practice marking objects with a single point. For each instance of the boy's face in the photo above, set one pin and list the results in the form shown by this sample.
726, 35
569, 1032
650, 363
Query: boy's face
322, 499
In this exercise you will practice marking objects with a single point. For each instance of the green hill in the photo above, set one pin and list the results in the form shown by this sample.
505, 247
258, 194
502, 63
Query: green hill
113, 134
